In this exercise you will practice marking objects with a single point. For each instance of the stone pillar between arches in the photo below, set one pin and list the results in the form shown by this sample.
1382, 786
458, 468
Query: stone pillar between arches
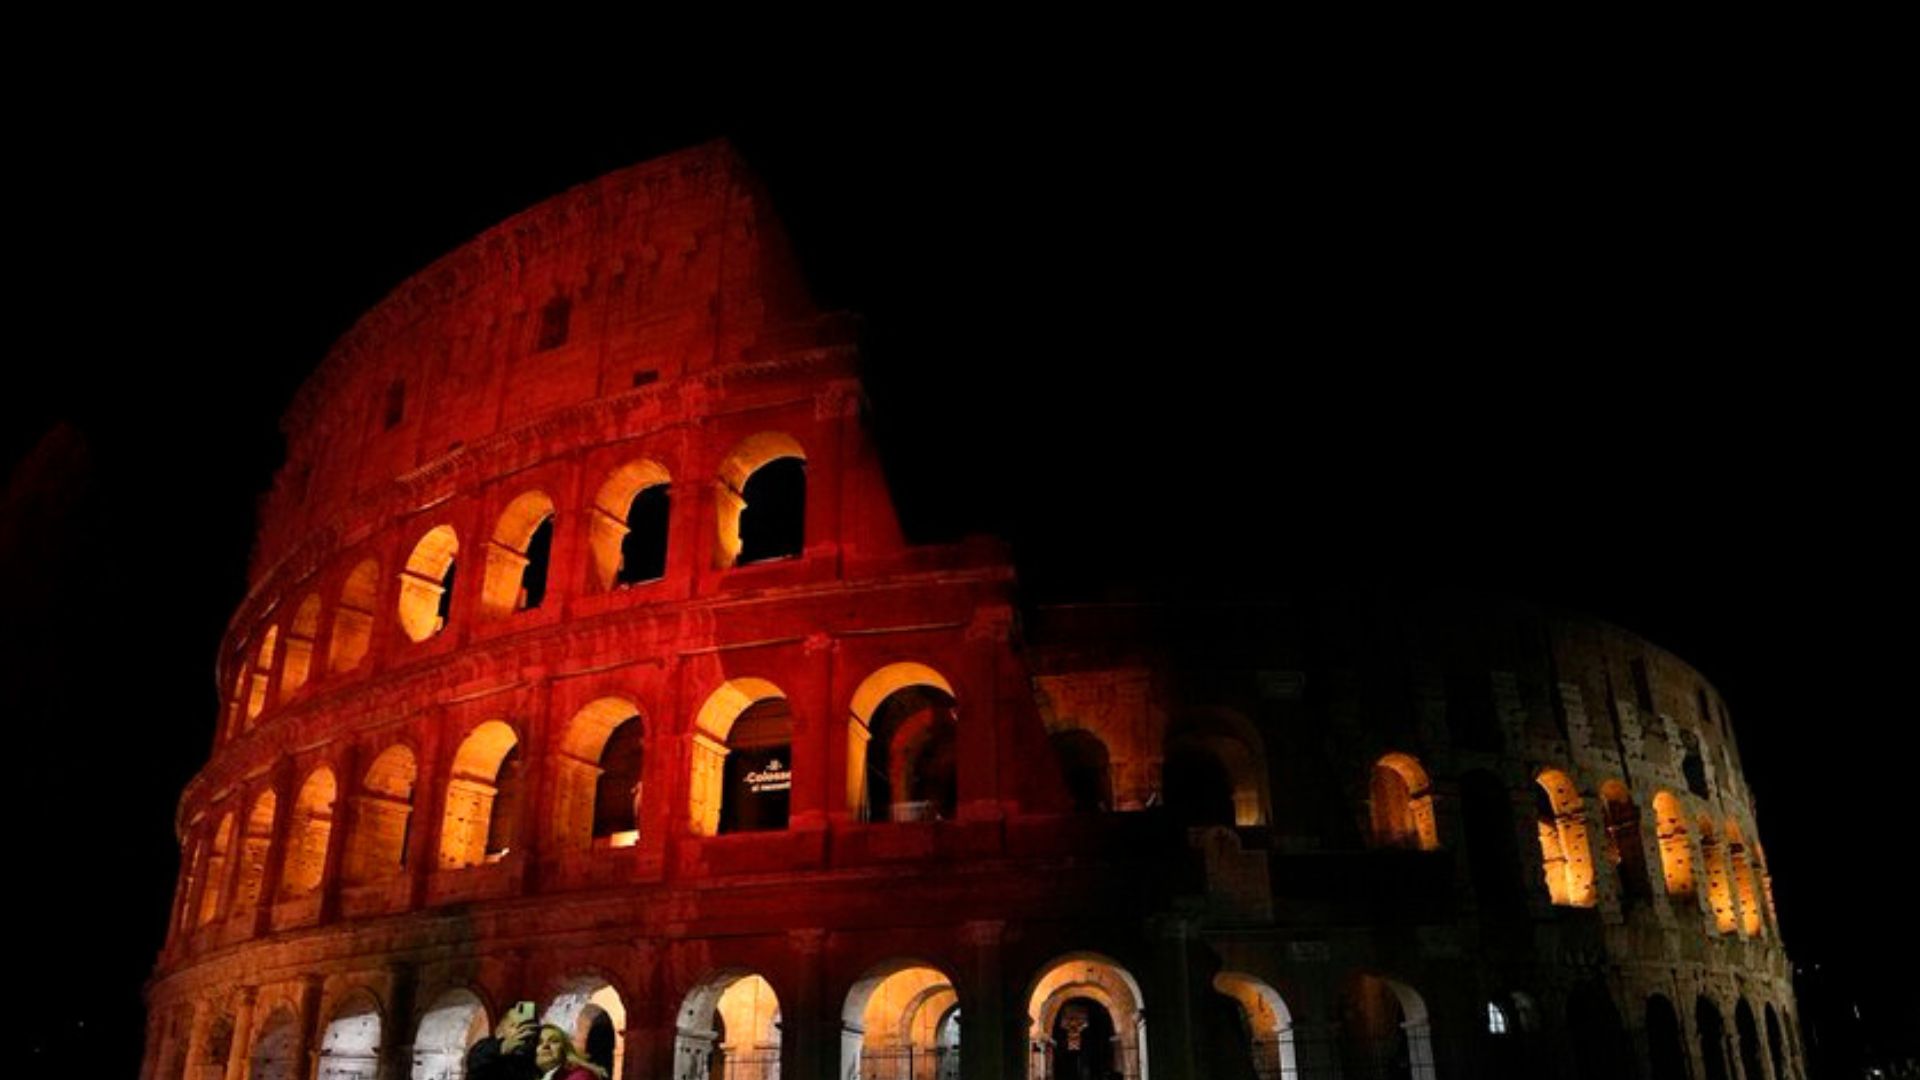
992, 1037
812, 1040
242, 1048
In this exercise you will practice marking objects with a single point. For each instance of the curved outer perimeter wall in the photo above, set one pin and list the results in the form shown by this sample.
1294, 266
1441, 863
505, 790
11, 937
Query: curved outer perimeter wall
1352, 838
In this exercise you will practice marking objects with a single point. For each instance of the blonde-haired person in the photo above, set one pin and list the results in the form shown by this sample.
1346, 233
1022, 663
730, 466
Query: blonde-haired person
517, 1050
556, 1058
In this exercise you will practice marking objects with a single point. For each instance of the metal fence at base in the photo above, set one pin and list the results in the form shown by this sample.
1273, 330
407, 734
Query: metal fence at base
751, 1065
909, 1063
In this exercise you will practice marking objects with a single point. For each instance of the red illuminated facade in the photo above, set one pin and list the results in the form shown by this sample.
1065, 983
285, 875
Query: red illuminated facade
584, 661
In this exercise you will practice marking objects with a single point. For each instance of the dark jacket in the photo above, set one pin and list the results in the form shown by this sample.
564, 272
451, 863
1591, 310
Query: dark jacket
486, 1062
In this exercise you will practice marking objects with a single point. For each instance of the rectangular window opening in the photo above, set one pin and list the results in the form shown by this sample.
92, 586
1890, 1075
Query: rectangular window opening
553, 323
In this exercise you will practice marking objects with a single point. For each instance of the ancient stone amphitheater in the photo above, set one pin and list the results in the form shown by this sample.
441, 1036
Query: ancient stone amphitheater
584, 661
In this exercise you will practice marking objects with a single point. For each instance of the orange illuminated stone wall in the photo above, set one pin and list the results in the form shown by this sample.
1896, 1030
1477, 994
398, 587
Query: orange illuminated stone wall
584, 661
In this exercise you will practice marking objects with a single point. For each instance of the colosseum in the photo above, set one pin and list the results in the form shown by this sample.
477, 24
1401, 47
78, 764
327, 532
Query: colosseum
585, 662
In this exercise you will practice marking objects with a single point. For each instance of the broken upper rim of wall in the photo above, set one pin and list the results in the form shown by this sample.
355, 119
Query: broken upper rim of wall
627, 222
673, 267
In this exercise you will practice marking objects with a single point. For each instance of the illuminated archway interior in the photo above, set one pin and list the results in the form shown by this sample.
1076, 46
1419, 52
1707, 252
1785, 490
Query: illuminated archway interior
901, 1025
728, 1026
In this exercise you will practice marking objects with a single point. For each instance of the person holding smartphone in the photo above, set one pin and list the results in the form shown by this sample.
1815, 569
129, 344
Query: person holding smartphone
507, 1054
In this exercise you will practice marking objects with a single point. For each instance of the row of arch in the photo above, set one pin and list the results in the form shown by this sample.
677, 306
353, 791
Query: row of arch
1400, 796
1086, 1016
902, 734
760, 501
1769, 1049
902, 731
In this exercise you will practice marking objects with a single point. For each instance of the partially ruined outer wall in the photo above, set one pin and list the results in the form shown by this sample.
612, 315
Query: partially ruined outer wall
675, 272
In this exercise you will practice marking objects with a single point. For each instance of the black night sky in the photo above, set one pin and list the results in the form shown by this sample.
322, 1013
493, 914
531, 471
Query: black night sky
1624, 358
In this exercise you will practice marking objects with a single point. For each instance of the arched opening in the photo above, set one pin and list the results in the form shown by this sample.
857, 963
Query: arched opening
627, 533
1085, 768
448, 1029
426, 584
600, 760
1212, 771
1400, 804
1086, 1014
912, 759
192, 870
262, 674
276, 1049
728, 1029
1748, 1034
758, 780
173, 1052
773, 521
236, 701
301, 635
1508, 1046
1624, 848
1676, 852
1384, 1031
219, 1045
307, 837
1713, 1038
590, 1011
1195, 786
483, 797
1743, 881
616, 792
742, 760
1726, 918
902, 745
1267, 1022
1599, 1037
1694, 770
217, 863
350, 1048
762, 500
1566, 859
1666, 1048
891, 1026
518, 556
1493, 849
383, 811
253, 853
353, 618
1776, 1047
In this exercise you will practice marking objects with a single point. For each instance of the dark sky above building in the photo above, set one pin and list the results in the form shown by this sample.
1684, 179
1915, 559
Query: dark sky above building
1616, 359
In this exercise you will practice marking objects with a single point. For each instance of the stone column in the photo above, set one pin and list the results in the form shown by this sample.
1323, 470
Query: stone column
992, 1036
813, 1036
1170, 1031
346, 771
821, 720
537, 807
980, 709
429, 809
197, 1037
650, 1018
396, 1036
242, 1047
156, 1042
306, 1052
276, 859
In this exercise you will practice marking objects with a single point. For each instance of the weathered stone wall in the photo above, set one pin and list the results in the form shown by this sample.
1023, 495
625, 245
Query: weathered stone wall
392, 841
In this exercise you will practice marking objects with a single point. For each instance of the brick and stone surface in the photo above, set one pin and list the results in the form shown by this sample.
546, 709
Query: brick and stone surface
391, 841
